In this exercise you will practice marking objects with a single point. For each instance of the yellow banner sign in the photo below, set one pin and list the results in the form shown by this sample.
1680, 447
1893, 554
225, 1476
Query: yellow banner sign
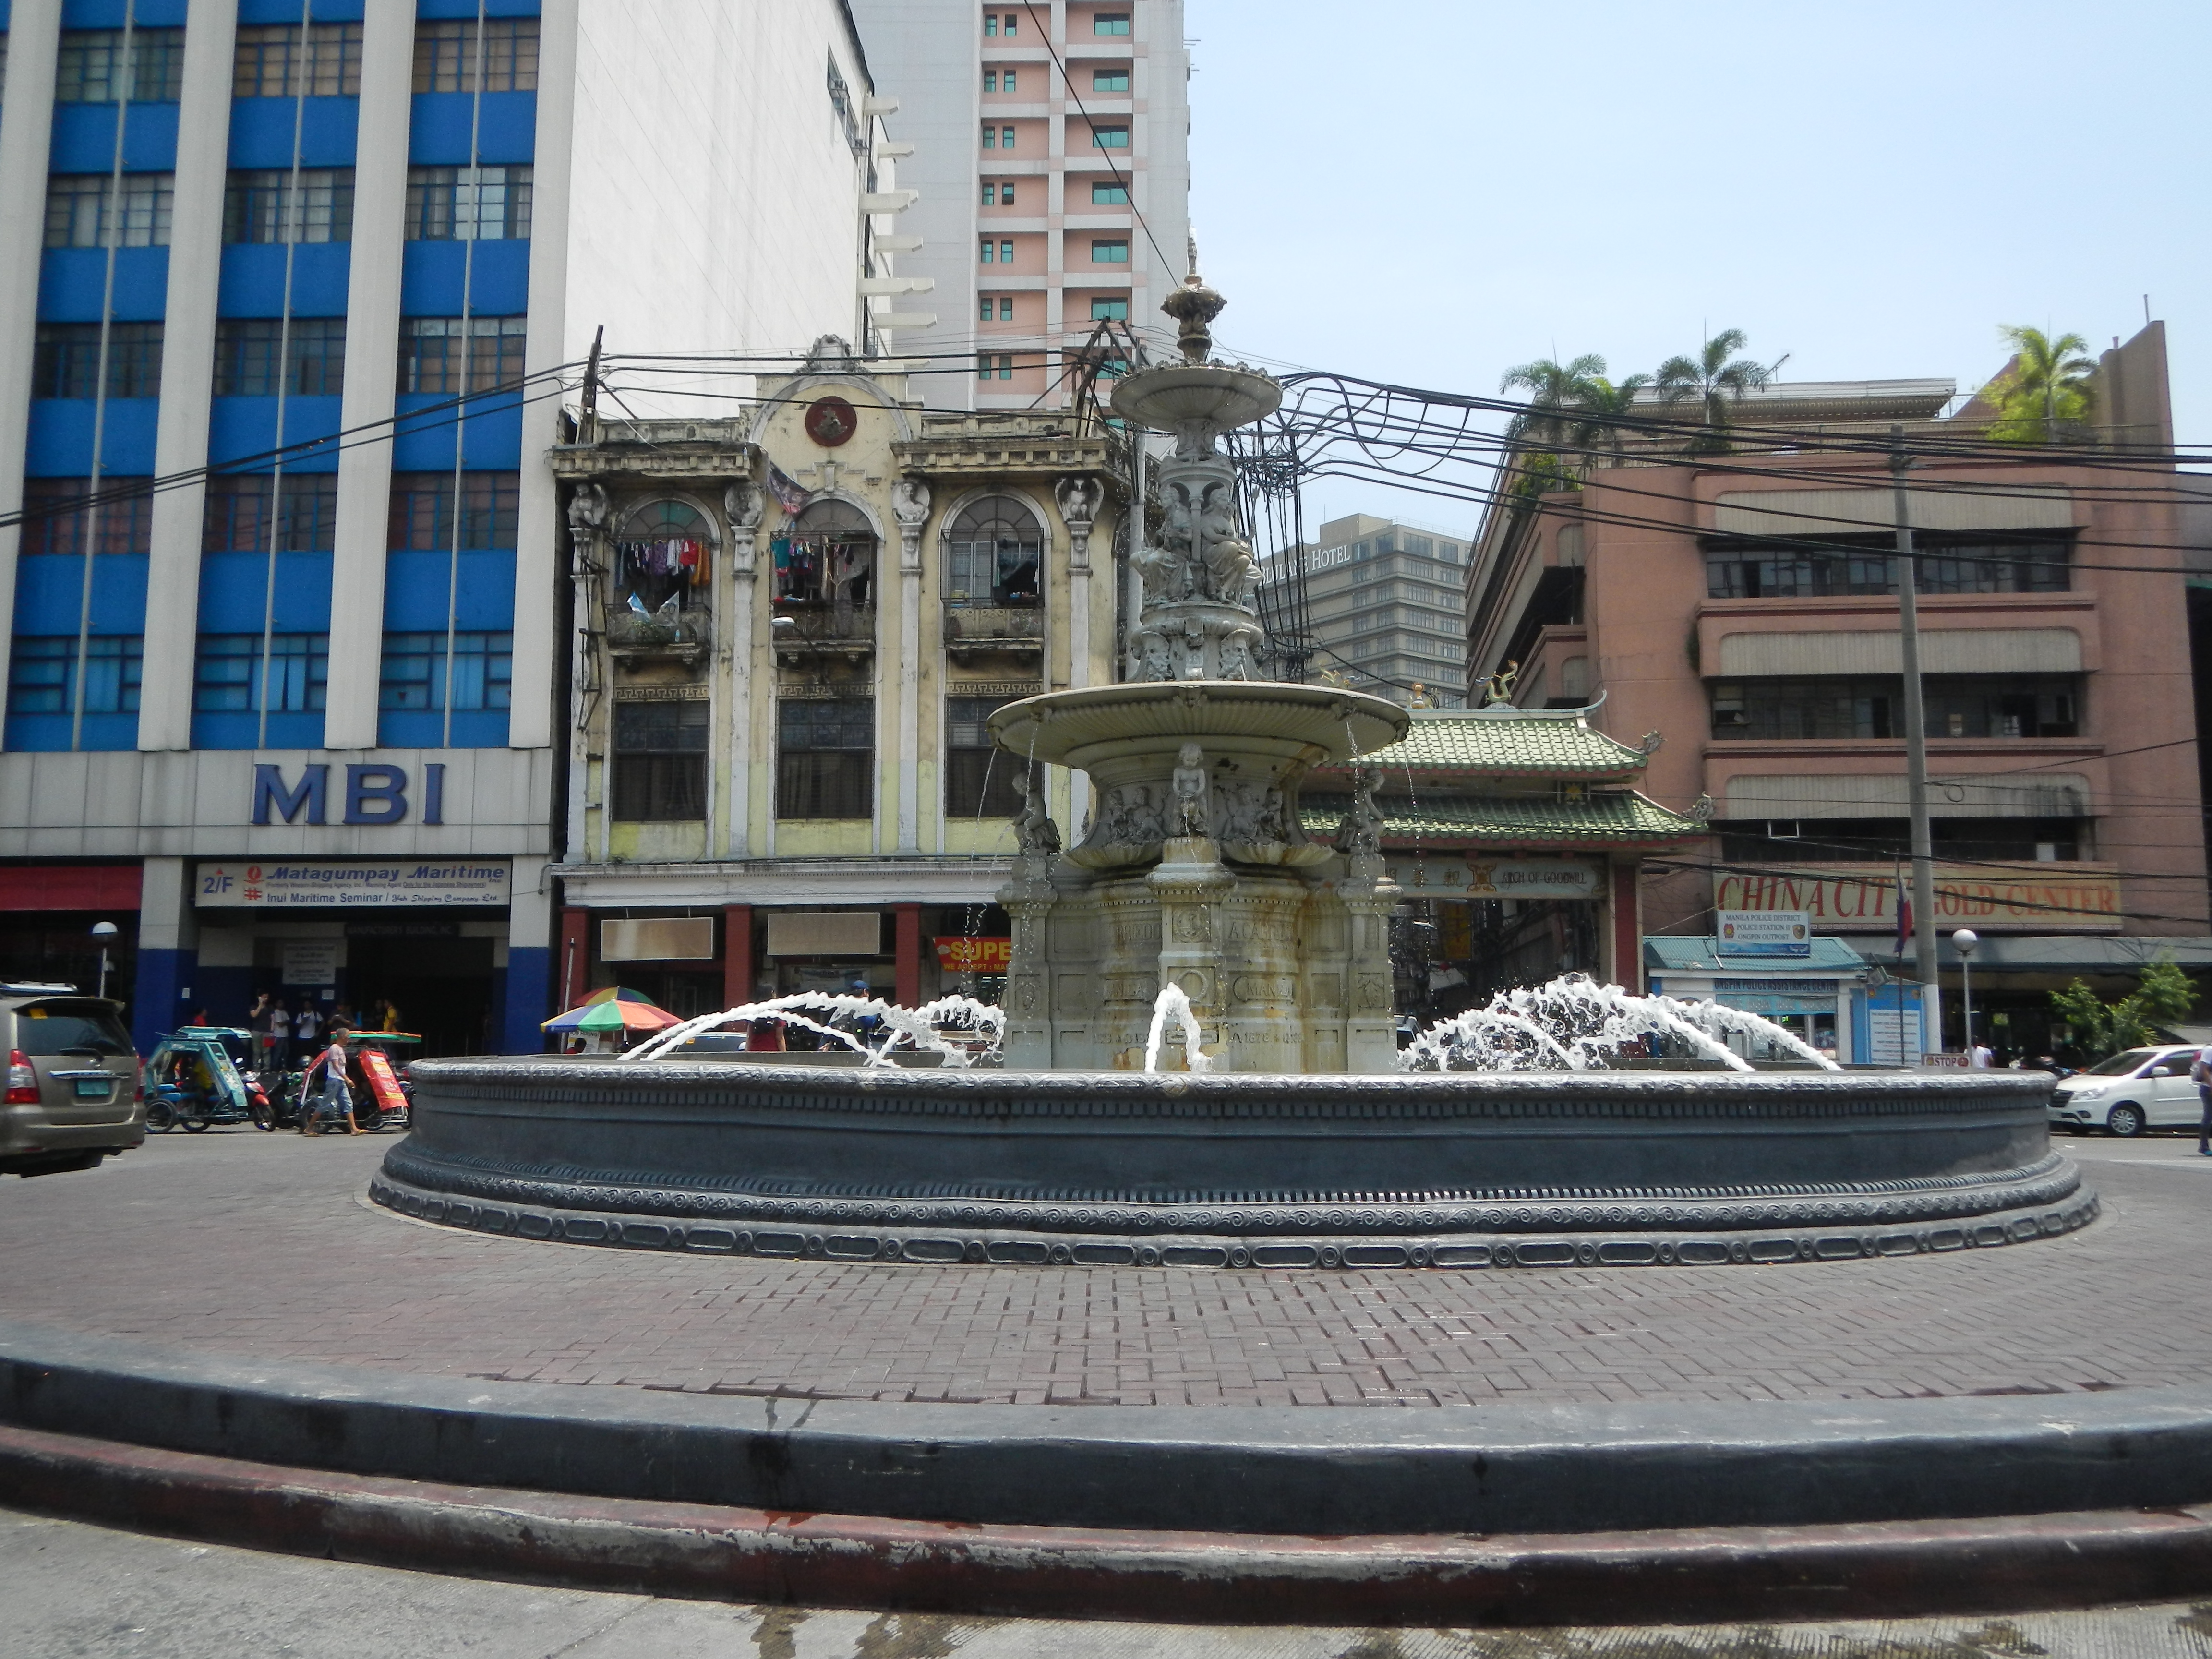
2019, 898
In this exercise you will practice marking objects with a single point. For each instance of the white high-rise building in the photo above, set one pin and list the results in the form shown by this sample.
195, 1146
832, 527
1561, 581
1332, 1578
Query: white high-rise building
1052, 153
292, 295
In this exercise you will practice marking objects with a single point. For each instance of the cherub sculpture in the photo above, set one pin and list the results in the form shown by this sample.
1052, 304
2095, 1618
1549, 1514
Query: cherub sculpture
1035, 832
1360, 830
1192, 814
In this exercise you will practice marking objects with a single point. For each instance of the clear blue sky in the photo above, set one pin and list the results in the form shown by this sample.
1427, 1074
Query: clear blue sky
1431, 190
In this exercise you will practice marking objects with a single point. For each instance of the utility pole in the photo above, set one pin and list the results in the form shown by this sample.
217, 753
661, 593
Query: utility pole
1915, 756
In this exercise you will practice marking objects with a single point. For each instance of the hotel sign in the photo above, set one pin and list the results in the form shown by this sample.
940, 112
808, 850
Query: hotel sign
2020, 898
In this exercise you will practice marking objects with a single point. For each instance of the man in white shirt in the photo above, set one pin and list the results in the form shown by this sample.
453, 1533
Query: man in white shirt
1980, 1057
2201, 1071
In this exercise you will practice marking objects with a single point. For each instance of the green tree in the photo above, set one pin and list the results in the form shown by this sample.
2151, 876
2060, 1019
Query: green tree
1716, 380
1598, 426
1555, 389
2162, 996
2047, 392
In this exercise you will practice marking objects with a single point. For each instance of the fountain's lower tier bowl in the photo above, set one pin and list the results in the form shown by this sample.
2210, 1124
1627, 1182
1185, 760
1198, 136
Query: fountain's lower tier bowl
1112, 1168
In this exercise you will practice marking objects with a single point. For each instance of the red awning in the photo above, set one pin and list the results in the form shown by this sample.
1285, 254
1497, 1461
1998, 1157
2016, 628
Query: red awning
69, 887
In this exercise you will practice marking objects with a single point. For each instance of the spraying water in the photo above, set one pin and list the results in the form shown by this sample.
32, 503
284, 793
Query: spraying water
1173, 1003
919, 1029
1576, 1025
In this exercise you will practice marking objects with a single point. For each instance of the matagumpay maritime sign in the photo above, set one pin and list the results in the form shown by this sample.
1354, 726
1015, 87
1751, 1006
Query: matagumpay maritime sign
279, 884
2020, 898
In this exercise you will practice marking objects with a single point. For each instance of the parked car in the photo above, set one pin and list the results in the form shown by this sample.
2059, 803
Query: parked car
74, 1091
2130, 1094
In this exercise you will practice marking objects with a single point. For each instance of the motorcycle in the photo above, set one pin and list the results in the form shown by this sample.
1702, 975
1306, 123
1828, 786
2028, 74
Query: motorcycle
382, 1097
193, 1080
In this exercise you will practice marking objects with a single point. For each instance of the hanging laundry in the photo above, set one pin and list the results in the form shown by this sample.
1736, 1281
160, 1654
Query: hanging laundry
790, 494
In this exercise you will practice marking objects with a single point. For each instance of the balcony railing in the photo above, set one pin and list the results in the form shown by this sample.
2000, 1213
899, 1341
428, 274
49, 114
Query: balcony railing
686, 635
818, 630
994, 627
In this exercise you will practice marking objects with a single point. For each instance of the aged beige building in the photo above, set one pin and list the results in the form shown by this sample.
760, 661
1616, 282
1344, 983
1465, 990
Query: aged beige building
788, 627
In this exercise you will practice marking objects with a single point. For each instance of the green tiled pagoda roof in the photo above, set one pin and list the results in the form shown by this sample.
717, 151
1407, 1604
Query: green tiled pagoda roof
1552, 746
1621, 818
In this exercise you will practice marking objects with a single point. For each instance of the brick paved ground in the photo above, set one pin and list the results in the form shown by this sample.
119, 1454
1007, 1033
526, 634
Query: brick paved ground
259, 1246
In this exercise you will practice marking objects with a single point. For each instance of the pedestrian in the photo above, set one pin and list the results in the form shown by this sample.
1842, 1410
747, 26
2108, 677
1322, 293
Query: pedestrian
1979, 1057
263, 1023
390, 1012
199, 1018
332, 1064
764, 1036
305, 1027
2201, 1074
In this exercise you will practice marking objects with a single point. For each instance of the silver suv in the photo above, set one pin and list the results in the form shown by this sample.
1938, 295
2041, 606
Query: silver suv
74, 1091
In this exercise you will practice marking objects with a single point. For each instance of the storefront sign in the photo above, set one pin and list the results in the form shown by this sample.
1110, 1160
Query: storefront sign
958, 954
2029, 898
369, 793
311, 962
1448, 877
1764, 933
276, 883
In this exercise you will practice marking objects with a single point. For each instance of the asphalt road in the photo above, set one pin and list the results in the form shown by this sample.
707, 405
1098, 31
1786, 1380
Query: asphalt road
75, 1590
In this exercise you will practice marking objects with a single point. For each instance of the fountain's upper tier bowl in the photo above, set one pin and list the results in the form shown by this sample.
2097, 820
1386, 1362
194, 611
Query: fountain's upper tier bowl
1165, 400
1101, 725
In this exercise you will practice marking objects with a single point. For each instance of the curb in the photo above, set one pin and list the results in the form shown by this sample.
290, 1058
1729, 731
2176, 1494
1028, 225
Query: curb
706, 1551
1339, 1471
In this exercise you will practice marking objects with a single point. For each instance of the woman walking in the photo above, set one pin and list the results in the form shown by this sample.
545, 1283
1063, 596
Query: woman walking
332, 1060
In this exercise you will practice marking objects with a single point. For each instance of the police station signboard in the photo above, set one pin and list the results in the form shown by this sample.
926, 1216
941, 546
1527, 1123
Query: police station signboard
281, 884
1776, 933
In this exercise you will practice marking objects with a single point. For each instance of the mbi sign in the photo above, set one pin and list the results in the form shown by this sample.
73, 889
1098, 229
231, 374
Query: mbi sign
371, 792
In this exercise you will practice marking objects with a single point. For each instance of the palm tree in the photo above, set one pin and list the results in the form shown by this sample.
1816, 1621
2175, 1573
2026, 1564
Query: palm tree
1602, 409
2047, 388
1553, 389
1715, 379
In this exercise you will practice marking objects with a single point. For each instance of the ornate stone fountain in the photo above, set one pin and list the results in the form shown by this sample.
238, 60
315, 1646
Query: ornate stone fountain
1195, 871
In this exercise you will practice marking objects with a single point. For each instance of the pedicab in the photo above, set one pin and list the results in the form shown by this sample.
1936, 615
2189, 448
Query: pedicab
382, 1097
194, 1079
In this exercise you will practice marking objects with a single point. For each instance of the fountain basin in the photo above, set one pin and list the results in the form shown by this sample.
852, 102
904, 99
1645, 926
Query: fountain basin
1214, 395
1116, 732
1418, 1169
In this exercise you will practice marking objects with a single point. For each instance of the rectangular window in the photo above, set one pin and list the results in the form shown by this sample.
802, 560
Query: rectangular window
1957, 706
258, 511
1110, 22
1005, 307
979, 780
94, 209
266, 357
990, 137
660, 762
1006, 252
1110, 311
1109, 80
268, 206
1006, 194
1005, 137
65, 359
283, 60
1007, 83
1110, 137
1013, 22
1115, 252
990, 193
42, 674
990, 25
421, 675
446, 354
1109, 195
1005, 368
233, 675
825, 757
456, 57
983, 309
990, 80
58, 516
96, 66
460, 204
1952, 563
988, 251
425, 507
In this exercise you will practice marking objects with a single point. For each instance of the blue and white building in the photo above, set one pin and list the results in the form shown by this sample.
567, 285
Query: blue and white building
292, 293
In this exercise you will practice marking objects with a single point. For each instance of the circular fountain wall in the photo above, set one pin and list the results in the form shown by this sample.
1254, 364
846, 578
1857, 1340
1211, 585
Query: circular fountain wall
1440, 1169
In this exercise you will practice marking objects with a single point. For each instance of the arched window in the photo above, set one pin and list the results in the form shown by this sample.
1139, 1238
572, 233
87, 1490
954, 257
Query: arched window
994, 553
828, 557
665, 551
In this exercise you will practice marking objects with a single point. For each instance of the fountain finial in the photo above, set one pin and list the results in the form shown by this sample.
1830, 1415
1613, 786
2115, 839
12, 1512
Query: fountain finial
1194, 305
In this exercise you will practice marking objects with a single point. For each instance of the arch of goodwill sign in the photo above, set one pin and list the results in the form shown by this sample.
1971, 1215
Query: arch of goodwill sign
1454, 875
2020, 898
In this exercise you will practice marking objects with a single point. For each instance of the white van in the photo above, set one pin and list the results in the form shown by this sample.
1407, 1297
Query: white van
2132, 1093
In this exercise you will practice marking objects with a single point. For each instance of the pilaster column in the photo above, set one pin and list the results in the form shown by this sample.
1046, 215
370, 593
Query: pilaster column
180, 441
742, 506
372, 358
1079, 496
1370, 1037
910, 506
1029, 899
587, 690
27, 121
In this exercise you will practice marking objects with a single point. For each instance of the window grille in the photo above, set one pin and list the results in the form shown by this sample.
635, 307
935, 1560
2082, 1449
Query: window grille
825, 757
456, 353
65, 359
57, 520
269, 206
447, 54
249, 674
283, 60
659, 762
255, 513
979, 780
111, 66
42, 674
424, 506
994, 553
424, 673
460, 204
263, 357
94, 209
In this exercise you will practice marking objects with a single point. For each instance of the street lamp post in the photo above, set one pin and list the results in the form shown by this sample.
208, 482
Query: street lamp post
1964, 942
103, 931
